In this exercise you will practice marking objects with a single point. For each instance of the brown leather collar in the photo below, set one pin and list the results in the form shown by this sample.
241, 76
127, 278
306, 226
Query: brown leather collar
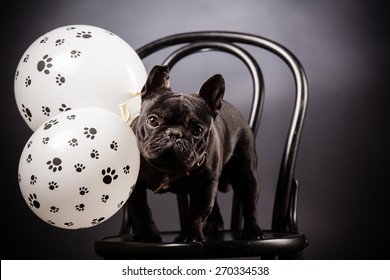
168, 179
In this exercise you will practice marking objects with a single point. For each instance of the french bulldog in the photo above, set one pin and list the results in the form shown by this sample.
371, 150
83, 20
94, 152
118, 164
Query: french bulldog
195, 143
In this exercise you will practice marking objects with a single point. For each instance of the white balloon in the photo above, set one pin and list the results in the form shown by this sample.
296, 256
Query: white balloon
79, 168
77, 66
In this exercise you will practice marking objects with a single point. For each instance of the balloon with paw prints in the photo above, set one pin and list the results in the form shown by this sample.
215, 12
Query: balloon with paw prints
77, 66
79, 168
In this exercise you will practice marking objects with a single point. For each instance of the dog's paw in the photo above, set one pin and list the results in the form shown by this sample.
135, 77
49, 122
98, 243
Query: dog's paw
194, 236
212, 227
147, 237
252, 232
214, 222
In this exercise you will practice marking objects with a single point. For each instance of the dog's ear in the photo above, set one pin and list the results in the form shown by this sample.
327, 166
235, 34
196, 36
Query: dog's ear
158, 78
212, 91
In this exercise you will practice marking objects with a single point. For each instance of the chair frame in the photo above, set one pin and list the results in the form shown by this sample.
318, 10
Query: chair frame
284, 217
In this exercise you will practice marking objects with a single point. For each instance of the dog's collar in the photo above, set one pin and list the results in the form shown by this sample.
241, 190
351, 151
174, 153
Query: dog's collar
168, 179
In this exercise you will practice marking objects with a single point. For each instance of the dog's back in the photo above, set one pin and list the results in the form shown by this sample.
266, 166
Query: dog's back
240, 153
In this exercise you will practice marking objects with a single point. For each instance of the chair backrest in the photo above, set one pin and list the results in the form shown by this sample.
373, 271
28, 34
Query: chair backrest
285, 204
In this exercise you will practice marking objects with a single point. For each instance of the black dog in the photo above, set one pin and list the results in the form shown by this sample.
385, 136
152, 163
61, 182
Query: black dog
195, 143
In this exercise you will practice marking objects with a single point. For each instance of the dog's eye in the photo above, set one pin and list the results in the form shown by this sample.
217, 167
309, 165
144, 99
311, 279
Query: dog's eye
197, 130
153, 121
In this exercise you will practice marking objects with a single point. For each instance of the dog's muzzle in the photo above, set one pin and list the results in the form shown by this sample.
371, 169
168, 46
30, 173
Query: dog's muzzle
174, 134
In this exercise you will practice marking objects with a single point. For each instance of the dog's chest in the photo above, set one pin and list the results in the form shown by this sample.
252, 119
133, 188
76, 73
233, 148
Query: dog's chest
180, 182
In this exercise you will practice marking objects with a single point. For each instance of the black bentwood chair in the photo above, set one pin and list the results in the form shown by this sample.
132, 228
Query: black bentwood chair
283, 240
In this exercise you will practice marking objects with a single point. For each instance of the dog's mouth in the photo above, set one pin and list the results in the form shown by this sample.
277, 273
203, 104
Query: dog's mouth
169, 154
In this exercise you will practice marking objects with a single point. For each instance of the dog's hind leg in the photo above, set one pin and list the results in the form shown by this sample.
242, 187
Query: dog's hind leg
245, 182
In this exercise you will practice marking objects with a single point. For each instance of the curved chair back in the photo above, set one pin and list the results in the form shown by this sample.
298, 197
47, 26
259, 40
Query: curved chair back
284, 209
284, 239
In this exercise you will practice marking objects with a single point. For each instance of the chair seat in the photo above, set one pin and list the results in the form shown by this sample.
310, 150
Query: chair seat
223, 244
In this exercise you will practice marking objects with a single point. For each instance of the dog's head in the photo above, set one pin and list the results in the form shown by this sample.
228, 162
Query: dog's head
173, 128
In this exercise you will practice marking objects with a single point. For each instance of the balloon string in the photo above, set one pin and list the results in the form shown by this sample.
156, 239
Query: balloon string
125, 112
134, 94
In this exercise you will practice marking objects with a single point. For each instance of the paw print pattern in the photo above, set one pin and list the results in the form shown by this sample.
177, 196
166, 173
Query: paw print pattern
60, 79
90, 132
114, 145
33, 199
120, 204
50, 123
28, 81
126, 169
69, 224
109, 175
105, 197
54, 209
29, 144
53, 185
84, 34
79, 167
45, 64
44, 40
94, 154
83, 190
16, 75
75, 54
46, 111
71, 117
73, 142
26, 112
50, 222
33, 180
45, 140
29, 158
97, 221
59, 42
80, 207
70, 28
65, 108
26, 58
55, 164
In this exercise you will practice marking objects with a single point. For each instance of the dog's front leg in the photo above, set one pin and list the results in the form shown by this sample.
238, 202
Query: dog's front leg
144, 228
201, 204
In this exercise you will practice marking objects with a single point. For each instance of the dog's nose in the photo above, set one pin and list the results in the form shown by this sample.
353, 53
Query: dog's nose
174, 134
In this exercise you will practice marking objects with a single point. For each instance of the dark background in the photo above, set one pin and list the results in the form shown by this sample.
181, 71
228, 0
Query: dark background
343, 161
